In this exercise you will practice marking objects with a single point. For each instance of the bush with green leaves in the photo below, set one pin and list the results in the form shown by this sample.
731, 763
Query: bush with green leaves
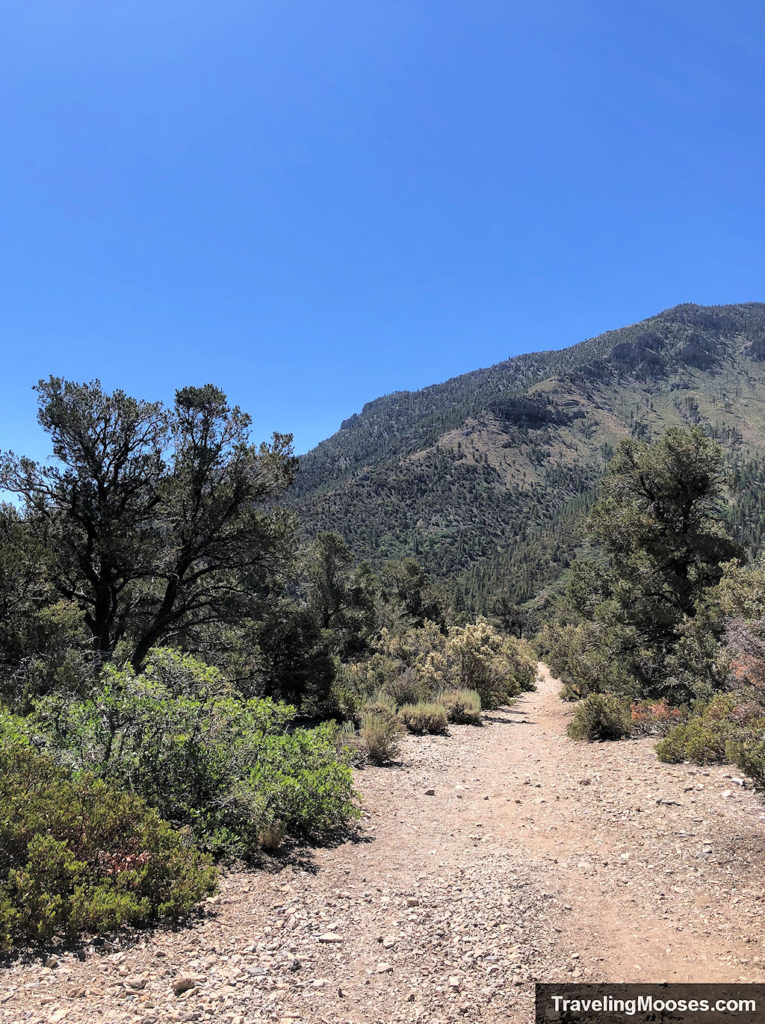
727, 728
601, 716
497, 666
380, 703
355, 683
585, 657
645, 617
425, 717
424, 677
233, 770
748, 755
704, 741
463, 707
407, 688
78, 855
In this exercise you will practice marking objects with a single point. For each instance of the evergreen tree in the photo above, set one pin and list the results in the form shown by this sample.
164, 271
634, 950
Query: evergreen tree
639, 618
156, 522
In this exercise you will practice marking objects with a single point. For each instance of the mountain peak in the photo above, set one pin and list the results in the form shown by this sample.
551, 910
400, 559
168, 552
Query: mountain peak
459, 473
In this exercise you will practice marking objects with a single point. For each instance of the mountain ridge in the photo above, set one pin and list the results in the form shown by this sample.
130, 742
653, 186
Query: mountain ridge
464, 471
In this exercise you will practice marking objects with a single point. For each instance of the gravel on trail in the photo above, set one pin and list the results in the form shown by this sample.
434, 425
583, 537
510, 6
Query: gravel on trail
486, 860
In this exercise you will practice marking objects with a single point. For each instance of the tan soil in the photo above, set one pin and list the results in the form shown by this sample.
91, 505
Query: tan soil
536, 858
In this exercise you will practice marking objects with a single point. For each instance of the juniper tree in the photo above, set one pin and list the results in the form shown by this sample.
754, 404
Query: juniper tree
156, 522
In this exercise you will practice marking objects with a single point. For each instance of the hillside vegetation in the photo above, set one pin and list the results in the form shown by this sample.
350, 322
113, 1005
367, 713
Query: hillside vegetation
181, 680
189, 674
484, 478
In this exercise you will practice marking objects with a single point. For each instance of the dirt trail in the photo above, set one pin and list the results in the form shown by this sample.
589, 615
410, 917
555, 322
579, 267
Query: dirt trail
534, 857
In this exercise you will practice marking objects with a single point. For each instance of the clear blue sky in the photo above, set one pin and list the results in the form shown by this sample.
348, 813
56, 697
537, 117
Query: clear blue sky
313, 202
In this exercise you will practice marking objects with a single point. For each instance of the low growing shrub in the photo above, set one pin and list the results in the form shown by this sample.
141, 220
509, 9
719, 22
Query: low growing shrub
346, 739
652, 717
463, 707
498, 667
704, 741
271, 836
406, 688
381, 703
77, 855
749, 756
228, 768
380, 736
601, 716
727, 728
424, 718
585, 658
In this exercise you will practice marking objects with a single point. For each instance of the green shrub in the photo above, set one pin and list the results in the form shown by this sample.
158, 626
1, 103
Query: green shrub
585, 657
498, 667
702, 740
706, 740
523, 665
407, 688
601, 716
380, 704
229, 768
462, 706
749, 756
727, 728
343, 703
77, 855
380, 736
345, 737
271, 836
671, 749
365, 678
424, 717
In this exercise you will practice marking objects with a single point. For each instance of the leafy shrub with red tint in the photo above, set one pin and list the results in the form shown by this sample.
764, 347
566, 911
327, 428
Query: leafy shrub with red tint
654, 717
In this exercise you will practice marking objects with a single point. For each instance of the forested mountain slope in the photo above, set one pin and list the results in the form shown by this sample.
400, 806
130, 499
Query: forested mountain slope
484, 478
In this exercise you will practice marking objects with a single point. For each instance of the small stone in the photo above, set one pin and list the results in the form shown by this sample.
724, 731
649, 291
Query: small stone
454, 981
389, 942
727, 793
384, 968
185, 982
51, 962
430, 792
331, 937
624, 856
412, 901
135, 982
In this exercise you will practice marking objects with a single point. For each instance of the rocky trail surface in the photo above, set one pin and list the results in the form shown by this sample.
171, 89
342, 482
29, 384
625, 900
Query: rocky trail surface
486, 860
